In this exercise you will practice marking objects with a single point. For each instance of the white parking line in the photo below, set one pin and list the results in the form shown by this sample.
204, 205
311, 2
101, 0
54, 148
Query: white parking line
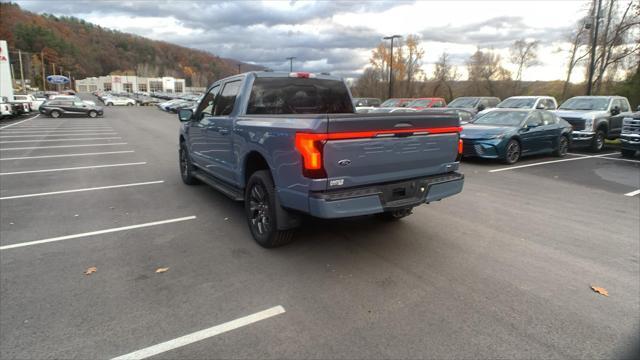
58, 146
633, 193
55, 131
549, 162
71, 168
81, 190
68, 155
19, 122
53, 135
621, 159
202, 334
37, 140
93, 233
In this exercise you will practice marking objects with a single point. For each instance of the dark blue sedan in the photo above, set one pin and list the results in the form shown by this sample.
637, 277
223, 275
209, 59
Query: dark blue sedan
509, 134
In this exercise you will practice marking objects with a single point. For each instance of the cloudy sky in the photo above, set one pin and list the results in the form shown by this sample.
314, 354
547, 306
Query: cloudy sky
338, 37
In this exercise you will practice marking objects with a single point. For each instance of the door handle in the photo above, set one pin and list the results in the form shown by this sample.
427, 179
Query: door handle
223, 131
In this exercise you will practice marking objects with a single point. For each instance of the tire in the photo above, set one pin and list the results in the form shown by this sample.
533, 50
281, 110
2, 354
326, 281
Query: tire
513, 152
395, 215
563, 147
55, 114
260, 208
129, 104
109, 104
597, 143
627, 152
186, 167
93, 114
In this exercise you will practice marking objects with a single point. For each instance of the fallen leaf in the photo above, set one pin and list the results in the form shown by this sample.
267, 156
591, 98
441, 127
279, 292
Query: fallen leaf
90, 270
600, 290
161, 270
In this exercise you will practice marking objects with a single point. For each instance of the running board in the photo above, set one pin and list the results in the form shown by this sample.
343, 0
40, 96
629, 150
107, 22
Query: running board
228, 190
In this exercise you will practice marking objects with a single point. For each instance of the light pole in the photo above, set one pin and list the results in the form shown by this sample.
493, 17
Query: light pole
291, 63
391, 63
594, 42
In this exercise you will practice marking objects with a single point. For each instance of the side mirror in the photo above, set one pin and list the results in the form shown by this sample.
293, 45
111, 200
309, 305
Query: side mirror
638, 108
615, 110
541, 107
531, 126
481, 107
185, 114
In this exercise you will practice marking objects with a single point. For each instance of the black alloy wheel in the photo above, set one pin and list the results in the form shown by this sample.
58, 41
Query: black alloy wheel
513, 152
563, 147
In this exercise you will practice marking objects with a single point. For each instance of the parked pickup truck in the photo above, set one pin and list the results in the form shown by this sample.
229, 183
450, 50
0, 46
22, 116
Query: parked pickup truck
630, 136
289, 144
594, 118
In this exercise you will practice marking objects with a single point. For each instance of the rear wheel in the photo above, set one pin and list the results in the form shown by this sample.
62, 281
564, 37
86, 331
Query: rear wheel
513, 152
93, 113
597, 143
563, 147
260, 207
109, 104
627, 152
55, 114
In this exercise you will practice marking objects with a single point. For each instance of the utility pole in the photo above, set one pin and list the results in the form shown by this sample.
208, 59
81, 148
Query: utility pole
22, 86
291, 63
44, 83
594, 43
391, 63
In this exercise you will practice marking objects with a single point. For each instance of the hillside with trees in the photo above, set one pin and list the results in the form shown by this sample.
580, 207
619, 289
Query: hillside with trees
71, 45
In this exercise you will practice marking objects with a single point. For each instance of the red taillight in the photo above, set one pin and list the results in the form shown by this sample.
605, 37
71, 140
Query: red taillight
460, 147
310, 147
301, 74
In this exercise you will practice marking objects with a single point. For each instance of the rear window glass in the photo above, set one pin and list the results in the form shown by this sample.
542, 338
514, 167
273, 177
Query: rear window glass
298, 96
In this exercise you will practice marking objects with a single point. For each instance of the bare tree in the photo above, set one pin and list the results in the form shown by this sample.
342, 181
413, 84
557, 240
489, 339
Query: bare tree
445, 73
523, 54
578, 38
615, 43
485, 68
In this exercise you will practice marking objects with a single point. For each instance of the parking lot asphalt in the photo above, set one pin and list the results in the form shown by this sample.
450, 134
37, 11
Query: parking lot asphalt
503, 270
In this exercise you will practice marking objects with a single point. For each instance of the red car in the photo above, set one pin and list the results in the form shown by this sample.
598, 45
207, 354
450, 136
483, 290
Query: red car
425, 103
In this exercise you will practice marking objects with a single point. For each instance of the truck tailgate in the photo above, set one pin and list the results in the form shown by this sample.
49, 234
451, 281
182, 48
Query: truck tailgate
368, 149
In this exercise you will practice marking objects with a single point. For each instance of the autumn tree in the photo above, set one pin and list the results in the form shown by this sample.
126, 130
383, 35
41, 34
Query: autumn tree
413, 62
578, 38
523, 54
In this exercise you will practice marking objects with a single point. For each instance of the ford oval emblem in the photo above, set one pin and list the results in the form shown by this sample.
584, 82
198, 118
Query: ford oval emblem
344, 162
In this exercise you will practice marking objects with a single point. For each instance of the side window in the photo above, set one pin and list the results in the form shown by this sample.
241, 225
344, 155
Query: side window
548, 118
438, 104
624, 106
227, 98
206, 105
534, 119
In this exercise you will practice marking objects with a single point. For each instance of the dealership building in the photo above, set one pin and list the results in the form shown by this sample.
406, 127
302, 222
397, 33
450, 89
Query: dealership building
124, 83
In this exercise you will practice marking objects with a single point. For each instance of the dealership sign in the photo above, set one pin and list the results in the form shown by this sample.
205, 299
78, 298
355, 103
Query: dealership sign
57, 79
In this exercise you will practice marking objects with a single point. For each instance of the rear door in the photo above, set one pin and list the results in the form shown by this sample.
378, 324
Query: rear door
551, 131
377, 148
615, 121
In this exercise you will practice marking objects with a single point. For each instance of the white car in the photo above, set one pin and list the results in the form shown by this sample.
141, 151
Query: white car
386, 110
33, 102
525, 102
110, 101
5, 108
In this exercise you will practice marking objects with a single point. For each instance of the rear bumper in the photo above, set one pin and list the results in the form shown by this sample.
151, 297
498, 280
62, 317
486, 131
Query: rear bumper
375, 199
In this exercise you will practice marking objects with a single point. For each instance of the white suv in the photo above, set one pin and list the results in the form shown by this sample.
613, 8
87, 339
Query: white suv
110, 101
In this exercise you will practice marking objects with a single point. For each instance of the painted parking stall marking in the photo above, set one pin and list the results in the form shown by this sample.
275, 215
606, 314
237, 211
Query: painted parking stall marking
81, 190
582, 157
72, 168
68, 155
53, 135
94, 233
59, 146
38, 140
19, 122
633, 193
202, 334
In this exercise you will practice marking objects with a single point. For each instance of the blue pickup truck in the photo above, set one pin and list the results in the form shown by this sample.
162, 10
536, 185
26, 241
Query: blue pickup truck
290, 144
